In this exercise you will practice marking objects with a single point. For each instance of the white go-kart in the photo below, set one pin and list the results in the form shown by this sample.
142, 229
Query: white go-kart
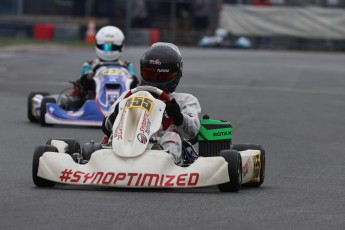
127, 161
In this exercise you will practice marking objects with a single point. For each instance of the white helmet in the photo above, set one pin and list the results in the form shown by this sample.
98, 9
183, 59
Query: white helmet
109, 43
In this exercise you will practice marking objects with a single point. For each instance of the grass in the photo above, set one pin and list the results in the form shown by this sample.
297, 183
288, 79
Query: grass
27, 41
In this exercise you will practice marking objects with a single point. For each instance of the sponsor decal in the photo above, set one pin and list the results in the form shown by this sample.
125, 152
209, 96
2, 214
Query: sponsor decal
245, 167
51, 109
148, 127
142, 138
257, 166
144, 123
130, 179
118, 133
163, 70
113, 71
109, 36
218, 134
155, 62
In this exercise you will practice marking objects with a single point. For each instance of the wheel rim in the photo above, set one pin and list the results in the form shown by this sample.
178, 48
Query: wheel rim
263, 168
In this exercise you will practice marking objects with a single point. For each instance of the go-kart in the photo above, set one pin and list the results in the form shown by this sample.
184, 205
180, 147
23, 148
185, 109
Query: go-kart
125, 160
110, 80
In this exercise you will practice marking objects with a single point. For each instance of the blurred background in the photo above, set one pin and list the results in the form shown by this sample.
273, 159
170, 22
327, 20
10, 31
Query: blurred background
263, 76
254, 24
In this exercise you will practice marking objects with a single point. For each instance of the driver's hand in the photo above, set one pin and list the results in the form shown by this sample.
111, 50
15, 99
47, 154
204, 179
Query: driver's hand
90, 75
173, 110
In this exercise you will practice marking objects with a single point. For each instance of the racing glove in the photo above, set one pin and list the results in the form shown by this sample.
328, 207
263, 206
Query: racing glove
108, 122
174, 110
89, 75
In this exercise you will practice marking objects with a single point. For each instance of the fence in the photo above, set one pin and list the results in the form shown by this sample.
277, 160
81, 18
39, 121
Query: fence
175, 20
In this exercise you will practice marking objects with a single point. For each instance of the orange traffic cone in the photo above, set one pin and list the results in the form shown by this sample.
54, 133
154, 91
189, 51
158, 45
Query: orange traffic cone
91, 31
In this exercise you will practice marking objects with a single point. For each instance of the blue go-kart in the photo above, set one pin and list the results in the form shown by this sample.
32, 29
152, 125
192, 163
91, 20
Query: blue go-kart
110, 80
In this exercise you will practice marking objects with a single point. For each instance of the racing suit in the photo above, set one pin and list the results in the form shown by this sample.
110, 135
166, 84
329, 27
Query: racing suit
171, 138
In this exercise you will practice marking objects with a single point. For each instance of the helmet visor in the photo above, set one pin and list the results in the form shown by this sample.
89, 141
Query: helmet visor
157, 75
109, 47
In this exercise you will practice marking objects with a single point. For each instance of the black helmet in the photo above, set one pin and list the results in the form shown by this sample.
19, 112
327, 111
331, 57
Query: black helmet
161, 66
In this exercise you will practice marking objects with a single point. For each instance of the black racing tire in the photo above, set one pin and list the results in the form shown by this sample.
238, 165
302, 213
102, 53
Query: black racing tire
89, 148
234, 160
39, 151
243, 147
31, 117
246, 146
43, 111
73, 144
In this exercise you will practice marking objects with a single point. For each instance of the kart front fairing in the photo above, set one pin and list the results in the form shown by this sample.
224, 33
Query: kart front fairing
111, 82
155, 168
140, 116
88, 114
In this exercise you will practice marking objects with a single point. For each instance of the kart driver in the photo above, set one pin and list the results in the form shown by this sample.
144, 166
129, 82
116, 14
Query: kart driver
109, 47
184, 108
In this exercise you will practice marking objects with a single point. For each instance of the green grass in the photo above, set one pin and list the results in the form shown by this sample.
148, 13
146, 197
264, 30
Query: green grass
26, 41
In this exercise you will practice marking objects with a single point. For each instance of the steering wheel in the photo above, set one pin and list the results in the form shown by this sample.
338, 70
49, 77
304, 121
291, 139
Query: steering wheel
163, 96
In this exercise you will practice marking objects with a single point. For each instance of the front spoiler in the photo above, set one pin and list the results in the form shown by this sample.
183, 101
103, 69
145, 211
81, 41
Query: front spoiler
153, 169
50, 119
88, 115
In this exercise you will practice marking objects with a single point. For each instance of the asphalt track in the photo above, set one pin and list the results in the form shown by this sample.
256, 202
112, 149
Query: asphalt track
290, 102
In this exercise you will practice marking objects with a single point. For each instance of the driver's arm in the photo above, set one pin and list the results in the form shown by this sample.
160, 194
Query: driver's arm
89, 68
109, 118
190, 109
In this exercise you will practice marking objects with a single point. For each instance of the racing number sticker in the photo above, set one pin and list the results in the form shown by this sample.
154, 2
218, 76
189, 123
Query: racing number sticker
140, 102
112, 71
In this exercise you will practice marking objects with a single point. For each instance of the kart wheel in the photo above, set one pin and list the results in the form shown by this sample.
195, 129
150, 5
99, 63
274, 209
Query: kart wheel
38, 181
31, 117
89, 148
73, 144
234, 160
243, 147
44, 102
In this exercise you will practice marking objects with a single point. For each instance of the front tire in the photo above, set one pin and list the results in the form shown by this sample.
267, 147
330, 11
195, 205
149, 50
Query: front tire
243, 147
39, 151
234, 160
73, 144
45, 100
89, 148
30, 114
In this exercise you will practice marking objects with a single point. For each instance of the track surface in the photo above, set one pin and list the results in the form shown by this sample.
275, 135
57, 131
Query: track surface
292, 103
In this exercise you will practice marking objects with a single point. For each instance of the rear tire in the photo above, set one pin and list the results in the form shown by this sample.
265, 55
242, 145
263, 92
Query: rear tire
45, 100
39, 151
234, 160
73, 144
243, 147
31, 117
